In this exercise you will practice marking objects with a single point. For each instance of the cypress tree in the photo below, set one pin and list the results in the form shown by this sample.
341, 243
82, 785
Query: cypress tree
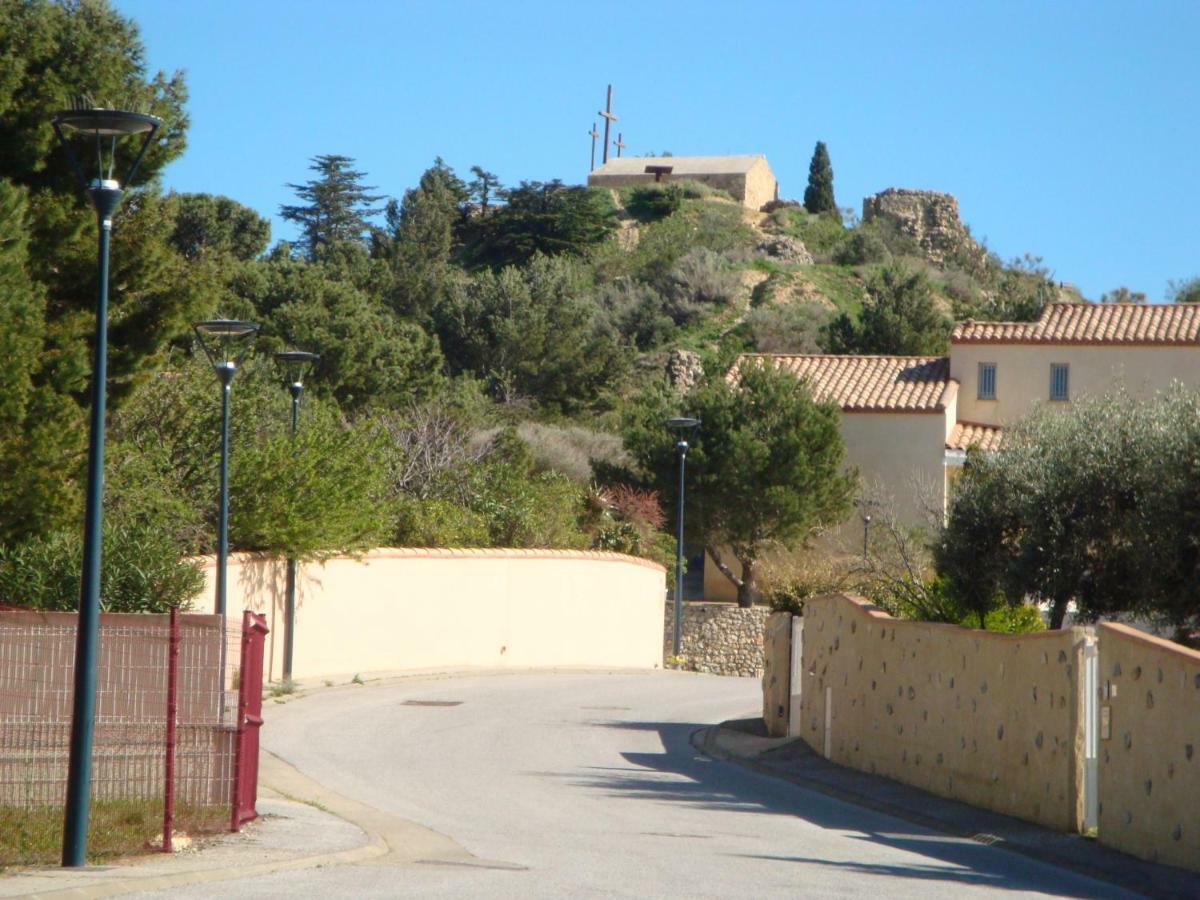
818, 196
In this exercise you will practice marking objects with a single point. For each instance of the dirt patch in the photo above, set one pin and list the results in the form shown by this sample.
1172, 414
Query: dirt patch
785, 288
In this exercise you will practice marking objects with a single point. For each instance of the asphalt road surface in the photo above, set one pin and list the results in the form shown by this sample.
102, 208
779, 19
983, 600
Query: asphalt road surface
586, 785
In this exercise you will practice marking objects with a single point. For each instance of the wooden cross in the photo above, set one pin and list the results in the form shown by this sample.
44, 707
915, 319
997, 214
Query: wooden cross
619, 144
595, 134
609, 118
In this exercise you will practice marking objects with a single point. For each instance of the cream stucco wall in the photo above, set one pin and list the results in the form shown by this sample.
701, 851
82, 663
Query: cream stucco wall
901, 453
991, 719
1150, 750
406, 609
1023, 374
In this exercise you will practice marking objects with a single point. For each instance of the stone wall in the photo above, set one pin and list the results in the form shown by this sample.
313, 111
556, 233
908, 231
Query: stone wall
718, 638
1149, 745
990, 719
930, 218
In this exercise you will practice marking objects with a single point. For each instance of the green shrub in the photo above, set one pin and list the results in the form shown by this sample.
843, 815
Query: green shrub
821, 234
143, 571
711, 226
654, 201
1020, 619
861, 246
701, 279
792, 328
698, 190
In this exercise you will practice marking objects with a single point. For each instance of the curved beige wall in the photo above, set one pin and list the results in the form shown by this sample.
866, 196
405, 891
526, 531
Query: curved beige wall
408, 609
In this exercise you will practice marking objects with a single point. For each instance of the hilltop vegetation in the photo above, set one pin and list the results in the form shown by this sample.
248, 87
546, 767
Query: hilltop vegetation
481, 346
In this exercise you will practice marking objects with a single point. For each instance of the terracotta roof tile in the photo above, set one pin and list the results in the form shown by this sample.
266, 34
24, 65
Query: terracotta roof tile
966, 434
869, 383
1092, 323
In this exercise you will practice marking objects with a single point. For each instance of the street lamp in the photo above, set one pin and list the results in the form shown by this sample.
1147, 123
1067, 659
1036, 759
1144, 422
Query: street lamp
685, 427
225, 343
864, 512
296, 363
104, 128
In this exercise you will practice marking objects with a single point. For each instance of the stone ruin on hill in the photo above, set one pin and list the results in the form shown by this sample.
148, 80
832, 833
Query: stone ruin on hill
930, 219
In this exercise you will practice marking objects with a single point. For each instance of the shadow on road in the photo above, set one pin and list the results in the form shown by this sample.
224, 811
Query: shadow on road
680, 774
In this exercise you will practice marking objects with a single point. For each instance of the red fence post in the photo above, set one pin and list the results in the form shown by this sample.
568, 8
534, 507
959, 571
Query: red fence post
245, 764
172, 715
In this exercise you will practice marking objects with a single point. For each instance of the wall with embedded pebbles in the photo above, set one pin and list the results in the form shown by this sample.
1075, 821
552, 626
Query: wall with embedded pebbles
990, 719
1149, 746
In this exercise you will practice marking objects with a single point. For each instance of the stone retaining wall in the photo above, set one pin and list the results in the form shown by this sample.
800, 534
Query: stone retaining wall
718, 638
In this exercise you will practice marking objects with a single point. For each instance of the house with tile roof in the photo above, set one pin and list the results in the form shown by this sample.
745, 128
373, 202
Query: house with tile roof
908, 421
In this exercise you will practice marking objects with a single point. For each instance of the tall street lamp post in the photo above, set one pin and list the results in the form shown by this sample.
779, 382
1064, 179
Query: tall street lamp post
296, 363
105, 129
864, 511
225, 343
685, 427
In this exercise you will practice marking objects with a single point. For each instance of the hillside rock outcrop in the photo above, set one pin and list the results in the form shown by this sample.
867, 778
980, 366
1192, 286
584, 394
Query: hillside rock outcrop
930, 218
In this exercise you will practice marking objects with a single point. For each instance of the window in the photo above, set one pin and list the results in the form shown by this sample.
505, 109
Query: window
1059, 381
987, 381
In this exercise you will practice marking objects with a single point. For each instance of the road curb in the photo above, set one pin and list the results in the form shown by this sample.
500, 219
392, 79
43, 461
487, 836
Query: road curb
1067, 851
390, 840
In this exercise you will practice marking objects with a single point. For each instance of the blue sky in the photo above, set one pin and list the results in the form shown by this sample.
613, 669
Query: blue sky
1065, 129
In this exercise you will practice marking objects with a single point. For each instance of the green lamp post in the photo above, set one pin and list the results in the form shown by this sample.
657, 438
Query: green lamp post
685, 427
225, 342
103, 130
296, 364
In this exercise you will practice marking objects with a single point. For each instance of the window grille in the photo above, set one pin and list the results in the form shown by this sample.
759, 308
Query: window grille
987, 381
1059, 381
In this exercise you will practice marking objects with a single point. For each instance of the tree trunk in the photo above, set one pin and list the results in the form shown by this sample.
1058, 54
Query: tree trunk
723, 568
748, 593
1058, 612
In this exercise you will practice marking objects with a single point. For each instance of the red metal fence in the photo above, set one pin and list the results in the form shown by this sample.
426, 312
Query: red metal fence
168, 725
249, 720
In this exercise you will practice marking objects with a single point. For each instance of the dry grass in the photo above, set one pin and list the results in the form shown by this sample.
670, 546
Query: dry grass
569, 450
31, 837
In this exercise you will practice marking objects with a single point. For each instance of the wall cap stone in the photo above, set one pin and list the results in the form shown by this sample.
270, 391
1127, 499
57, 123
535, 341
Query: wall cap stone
459, 553
1149, 640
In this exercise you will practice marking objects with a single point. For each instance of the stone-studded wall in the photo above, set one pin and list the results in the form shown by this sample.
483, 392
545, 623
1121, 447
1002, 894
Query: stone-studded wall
777, 673
928, 217
718, 638
990, 719
1150, 749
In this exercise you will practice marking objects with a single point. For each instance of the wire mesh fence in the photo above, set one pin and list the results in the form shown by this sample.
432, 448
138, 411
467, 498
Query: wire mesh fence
129, 760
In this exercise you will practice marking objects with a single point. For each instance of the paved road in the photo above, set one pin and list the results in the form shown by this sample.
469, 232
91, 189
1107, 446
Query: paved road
585, 785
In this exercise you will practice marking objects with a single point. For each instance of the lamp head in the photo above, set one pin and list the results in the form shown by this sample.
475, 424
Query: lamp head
225, 342
296, 364
103, 127
683, 424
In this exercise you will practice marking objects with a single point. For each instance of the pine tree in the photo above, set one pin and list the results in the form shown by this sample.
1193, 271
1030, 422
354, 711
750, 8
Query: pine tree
336, 205
818, 196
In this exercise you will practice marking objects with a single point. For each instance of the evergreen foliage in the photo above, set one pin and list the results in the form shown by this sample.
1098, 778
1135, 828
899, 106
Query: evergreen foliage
547, 218
818, 196
765, 469
335, 206
898, 318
